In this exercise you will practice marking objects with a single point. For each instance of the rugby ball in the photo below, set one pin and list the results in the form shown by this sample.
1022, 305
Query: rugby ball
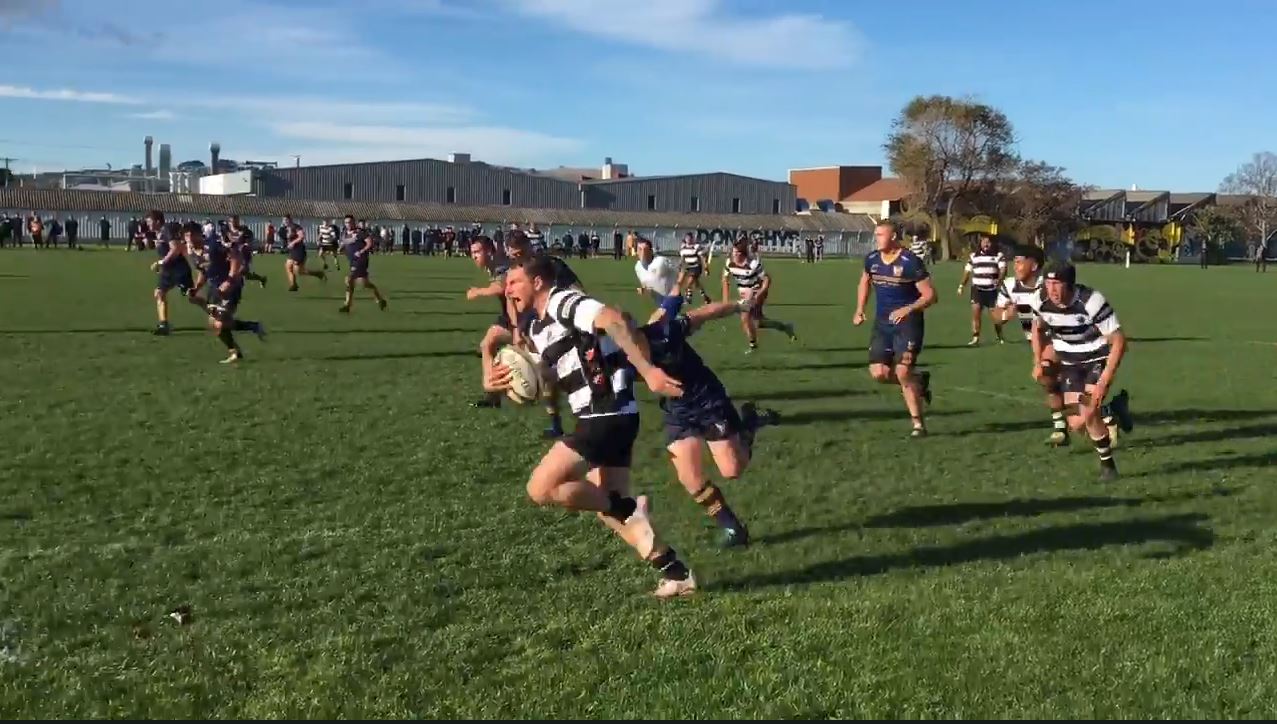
525, 379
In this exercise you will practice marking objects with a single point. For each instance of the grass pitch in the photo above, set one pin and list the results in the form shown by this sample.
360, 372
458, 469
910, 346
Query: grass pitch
354, 541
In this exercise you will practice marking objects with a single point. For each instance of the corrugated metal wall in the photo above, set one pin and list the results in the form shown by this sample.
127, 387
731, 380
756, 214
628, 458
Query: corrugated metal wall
423, 181
714, 193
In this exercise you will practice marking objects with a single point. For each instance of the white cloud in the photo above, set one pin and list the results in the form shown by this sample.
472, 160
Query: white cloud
336, 142
65, 94
799, 41
160, 115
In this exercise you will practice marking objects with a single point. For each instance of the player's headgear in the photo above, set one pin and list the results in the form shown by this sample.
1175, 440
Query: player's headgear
1061, 271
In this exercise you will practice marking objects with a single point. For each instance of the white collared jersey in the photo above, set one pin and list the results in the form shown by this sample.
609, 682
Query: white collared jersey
1079, 329
1013, 292
749, 275
919, 247
987, 269
691, 254
588, 367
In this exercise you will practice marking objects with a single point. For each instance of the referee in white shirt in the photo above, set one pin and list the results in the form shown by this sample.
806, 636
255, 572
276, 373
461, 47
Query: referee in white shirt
658, 277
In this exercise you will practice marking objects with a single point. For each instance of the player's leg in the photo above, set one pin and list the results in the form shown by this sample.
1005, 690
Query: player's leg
915, 386
162, 326
290, 270
676, 577
1084, 413
1050, 381
687, 455
989, 300
350, 293
881, 356
552, 399
366, 282
301, 269
747, 325
221, 323
975, 321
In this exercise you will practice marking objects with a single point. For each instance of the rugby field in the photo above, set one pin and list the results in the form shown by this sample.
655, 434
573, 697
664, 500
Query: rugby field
352, 540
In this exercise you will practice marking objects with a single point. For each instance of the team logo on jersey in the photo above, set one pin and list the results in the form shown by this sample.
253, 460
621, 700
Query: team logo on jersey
898, 269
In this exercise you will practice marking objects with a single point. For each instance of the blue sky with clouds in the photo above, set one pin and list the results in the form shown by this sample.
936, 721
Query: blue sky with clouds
1170, 94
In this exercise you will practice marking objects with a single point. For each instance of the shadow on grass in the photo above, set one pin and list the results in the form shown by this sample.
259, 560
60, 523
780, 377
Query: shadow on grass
783, 367
1167, 339
1185, 533
922, 516
396, 355
1156, 417
801, 304
813, 416
490, 313
1231, 433
1219, 463
118, 330
800, 394
440, 330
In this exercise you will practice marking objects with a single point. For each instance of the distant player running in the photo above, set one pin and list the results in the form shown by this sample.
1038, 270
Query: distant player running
296, 248
328, 244
224, 273
692, 255
753, 284
241, 238
985, 270
358, 246
173, 270
658, 278
1088, 341
904, 290
590, 352
704, 415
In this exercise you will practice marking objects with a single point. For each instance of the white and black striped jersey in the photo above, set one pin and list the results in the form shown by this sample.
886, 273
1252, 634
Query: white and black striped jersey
588, 367
537, 240
1078, 329
1013, 292
692, 256
987, 269
327, 235
920, 247
749, 275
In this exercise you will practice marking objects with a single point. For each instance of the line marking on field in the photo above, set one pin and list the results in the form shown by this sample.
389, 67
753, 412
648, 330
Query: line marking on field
1266, 344
988, 393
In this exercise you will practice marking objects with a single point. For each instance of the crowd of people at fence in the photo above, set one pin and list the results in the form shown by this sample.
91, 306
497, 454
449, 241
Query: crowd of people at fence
49, 232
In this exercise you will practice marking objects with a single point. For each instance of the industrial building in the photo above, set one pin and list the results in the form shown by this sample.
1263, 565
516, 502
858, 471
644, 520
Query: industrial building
464, 182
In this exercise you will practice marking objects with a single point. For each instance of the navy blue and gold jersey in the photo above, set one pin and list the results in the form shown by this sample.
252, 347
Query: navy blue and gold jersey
217, 268
667, 342
895, 279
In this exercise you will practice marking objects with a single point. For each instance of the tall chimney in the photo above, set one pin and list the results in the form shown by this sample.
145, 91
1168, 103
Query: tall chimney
214, 152
166, 160
148, 141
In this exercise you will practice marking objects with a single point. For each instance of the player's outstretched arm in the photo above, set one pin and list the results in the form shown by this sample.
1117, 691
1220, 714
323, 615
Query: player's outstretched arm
717, 310
928, 294
612, 322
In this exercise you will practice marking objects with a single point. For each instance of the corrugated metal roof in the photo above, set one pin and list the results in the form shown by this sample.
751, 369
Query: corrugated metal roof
208, 205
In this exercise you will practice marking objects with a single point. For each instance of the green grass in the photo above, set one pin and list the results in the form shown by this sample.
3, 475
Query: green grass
355, 542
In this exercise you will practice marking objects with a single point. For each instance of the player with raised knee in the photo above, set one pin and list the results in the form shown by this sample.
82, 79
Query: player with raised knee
589, 351
704, 415
1089, 344
500, 333
903, 287
753, 284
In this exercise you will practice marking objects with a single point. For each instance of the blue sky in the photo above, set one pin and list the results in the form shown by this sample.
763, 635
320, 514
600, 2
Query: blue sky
1172, 94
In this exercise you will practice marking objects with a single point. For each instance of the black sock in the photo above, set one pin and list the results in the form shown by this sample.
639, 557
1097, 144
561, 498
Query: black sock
620, 507
670, 566
242, 326
753, 344
1104, 448
227, 338
556, 422
715, 504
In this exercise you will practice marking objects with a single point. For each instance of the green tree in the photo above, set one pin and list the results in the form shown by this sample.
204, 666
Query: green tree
1044, 202
946, 149
1217, 226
